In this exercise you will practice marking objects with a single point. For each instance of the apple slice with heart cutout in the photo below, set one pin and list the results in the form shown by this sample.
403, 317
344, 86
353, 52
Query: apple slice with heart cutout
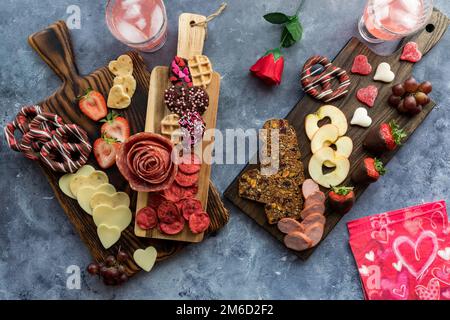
336, 116
333, 178
327, 136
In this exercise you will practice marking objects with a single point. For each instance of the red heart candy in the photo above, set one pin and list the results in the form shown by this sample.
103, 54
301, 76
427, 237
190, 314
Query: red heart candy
367, 95
361, 65
411, 52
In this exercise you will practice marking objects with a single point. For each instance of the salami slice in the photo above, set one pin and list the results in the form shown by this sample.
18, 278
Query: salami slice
147, 218
189, 164
186, 180
190, 206
309, 187
199, 222
172, 228
145, 161
168, 212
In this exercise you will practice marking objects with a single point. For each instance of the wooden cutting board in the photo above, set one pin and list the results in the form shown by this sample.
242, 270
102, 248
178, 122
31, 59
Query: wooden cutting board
53, 44
190, 43
381, 112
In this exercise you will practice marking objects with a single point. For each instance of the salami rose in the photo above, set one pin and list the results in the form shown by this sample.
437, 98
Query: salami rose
145, 160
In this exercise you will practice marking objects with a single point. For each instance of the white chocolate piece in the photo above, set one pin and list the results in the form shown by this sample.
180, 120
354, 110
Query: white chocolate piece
128, 83
96, 178
145, 258
118, 99
110, 199
64, 181
86, 193
119, 217
384, 73
361, 118
108, 235
123, 66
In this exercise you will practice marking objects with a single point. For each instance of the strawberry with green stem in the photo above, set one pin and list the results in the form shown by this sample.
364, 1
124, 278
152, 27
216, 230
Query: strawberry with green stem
115, 127
341, 199
383, 138
368, 171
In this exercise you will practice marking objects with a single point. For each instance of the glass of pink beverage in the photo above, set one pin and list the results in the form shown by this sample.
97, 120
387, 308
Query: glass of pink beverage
386, 20
140, 24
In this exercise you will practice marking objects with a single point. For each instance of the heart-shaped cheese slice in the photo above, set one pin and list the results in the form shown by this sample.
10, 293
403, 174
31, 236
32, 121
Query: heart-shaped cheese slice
95, 179
123, 66
384, 73
145, 258
361, 118
128, 83
64, 181
119, 217
118, 99
85, 194
110, 199
108, 235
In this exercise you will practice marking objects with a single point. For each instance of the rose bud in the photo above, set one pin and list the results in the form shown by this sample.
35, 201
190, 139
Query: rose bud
269, 67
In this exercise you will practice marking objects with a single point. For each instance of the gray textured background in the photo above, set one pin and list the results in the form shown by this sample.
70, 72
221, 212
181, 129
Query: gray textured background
37, 241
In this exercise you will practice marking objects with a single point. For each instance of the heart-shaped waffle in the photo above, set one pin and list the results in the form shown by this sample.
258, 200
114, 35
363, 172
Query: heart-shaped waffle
171, 128
201, 70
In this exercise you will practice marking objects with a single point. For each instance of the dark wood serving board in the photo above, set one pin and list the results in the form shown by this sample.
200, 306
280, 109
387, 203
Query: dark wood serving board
53, 44
381, 112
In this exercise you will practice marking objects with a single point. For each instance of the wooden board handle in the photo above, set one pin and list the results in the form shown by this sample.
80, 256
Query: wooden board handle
54, 46
431, 34
190, 38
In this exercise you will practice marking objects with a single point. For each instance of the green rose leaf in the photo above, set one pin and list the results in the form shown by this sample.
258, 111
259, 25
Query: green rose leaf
295, 28
286, 38
276, 18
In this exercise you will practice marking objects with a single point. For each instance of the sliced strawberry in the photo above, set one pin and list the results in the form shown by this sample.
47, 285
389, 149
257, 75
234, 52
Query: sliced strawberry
105, 150
93, 105
116, 127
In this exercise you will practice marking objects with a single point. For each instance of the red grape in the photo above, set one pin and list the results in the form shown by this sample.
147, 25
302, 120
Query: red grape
425, 87
398, 90
411, 85
416, 110
111, 273
121, 269
93, 268
110, 261
409, 103
394, 100
422, 98
122, 256
401, 107
103, 271
122, 279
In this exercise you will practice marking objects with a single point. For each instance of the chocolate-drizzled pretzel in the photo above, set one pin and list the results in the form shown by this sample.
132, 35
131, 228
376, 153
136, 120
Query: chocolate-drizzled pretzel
21, 123
317, 83
68, 150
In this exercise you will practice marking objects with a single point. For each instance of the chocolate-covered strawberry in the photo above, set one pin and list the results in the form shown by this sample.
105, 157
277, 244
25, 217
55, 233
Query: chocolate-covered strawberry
385, 137
341, 199
368, 171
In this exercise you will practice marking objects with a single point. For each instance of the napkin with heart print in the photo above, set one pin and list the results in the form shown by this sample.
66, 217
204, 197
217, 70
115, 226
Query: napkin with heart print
404, 254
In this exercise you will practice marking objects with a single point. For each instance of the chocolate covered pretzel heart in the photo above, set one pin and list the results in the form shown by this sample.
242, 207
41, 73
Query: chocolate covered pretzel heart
21, 123
317, 82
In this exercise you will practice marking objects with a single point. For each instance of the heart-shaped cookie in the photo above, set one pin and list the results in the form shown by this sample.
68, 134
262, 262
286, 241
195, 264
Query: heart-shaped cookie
110, 199
361, 118
384, 73
118, 99
128, 83
361, 65
86, 193
411, 52
123, 66
145, 258
64, 181
119, 217
108, 235
367, 95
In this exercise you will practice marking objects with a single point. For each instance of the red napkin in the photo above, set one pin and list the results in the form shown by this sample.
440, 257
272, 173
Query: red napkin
404, 254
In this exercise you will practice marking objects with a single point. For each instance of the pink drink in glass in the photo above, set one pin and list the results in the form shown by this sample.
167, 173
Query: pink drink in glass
385, 20
140, 24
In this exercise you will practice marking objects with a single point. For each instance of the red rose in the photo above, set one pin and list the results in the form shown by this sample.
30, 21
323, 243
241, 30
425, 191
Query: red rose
269, 67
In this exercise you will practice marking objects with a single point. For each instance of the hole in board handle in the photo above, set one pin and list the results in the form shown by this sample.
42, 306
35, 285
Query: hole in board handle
430, 27
192, 23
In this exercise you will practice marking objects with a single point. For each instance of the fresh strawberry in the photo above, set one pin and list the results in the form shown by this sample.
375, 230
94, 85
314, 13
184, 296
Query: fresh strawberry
93, 105
341, 199
115, 127
105, 150
368, 171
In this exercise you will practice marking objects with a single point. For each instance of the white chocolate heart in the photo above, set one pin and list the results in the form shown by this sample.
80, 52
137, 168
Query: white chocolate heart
119, 217
64, 181
110, 199
361, 118
145, 258
384, 73
86, 193
118, 99
128, 83
108, 235
123, 66
96, 178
